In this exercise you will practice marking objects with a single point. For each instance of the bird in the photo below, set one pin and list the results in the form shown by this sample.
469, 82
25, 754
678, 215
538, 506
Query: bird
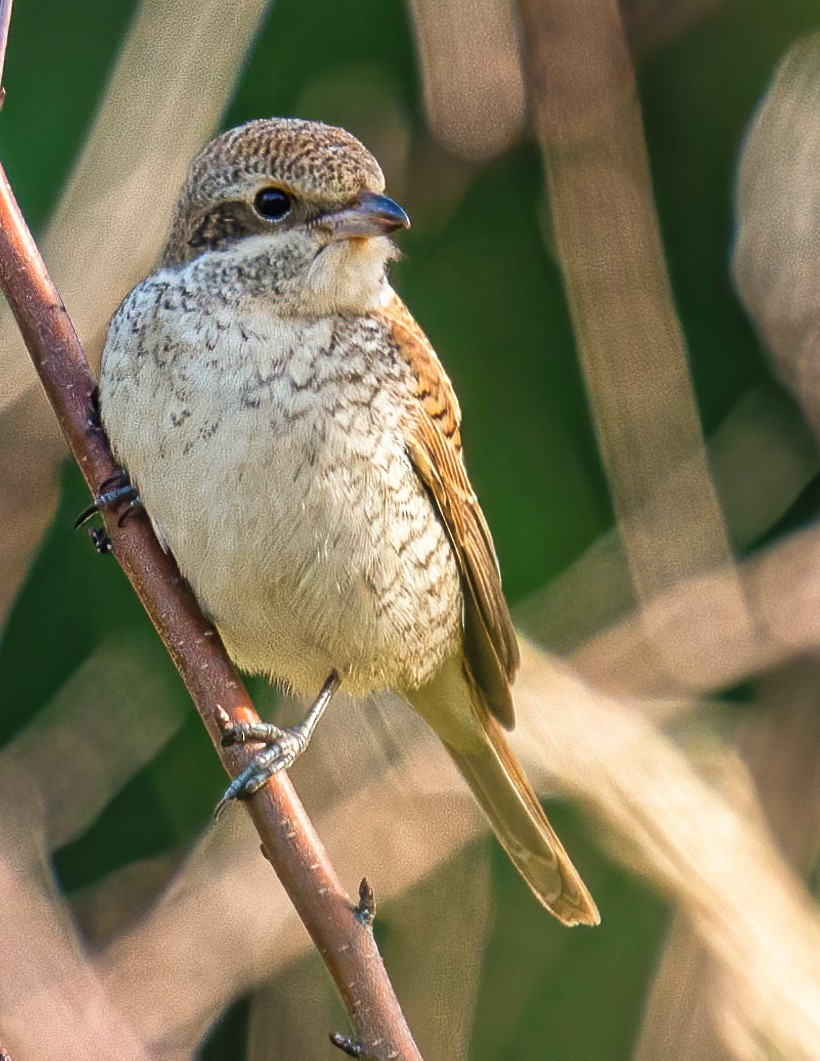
296, 443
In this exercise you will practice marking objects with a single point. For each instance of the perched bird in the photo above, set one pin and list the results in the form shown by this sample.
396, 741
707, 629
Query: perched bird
295, 441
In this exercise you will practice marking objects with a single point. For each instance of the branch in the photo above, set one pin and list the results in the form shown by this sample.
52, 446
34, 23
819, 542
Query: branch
289, 841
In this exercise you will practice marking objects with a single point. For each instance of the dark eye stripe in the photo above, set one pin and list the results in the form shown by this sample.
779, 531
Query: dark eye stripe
220, 226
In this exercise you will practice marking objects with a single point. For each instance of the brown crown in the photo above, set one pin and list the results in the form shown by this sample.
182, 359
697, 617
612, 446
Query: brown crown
316, 160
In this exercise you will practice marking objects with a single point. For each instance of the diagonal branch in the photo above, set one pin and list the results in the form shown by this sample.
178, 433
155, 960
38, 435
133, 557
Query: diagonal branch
288, 838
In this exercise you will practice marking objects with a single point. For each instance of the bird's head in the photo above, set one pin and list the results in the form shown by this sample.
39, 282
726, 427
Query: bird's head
291, 210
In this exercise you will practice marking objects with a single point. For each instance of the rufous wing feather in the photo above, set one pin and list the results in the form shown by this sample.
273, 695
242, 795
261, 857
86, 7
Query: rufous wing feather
468, 698
434, 446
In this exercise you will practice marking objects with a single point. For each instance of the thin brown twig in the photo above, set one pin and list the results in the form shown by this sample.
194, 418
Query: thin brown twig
289, 840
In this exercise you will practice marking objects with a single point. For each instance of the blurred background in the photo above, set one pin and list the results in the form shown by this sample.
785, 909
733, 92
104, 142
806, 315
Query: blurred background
615, 253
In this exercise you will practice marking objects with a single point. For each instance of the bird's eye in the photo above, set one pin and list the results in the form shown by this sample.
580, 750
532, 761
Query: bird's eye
272, 203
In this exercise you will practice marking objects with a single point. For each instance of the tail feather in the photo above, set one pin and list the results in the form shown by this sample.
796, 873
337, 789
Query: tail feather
479, 749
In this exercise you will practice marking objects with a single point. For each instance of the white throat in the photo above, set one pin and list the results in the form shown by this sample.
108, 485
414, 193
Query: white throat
348, 277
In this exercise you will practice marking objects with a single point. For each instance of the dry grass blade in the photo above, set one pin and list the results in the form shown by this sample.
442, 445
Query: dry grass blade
473, 93
695, 1009
630, 341
722, 868
781, 746
776, 266
762, 458
686, 1017
782, 588
55, 1005
90, 740
31, 453
53, 782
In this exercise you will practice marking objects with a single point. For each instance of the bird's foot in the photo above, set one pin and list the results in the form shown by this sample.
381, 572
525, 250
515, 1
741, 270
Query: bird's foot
284, 746
102, 544
117, 491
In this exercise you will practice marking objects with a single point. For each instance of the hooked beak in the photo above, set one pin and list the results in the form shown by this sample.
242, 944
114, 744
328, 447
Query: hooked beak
368, 215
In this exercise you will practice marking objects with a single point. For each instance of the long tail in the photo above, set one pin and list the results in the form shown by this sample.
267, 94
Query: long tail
478, 746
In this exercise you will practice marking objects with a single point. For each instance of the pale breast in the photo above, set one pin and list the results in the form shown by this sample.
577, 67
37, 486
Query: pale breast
270, 455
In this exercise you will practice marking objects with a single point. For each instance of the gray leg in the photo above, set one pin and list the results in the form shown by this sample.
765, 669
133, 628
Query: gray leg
284, 746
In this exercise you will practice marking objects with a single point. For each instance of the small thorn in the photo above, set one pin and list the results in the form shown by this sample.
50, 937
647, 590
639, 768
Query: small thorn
365, 910
346, 1044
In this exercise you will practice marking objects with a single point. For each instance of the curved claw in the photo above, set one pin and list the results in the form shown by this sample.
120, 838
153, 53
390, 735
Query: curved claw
219, 809
242, 786
227, 798
86, 515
